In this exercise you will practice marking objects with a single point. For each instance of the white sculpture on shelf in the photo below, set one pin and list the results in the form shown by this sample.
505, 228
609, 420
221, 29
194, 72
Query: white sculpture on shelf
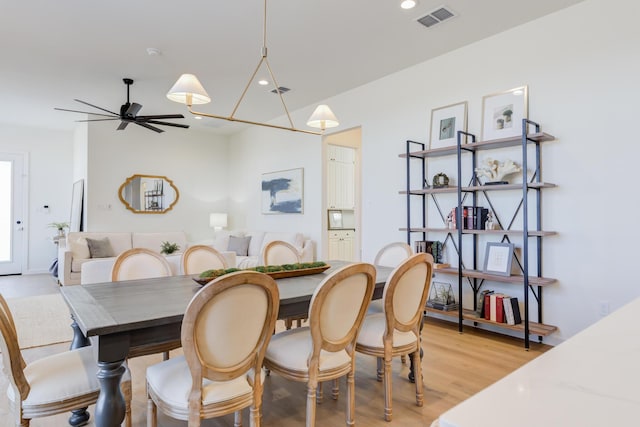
496, 171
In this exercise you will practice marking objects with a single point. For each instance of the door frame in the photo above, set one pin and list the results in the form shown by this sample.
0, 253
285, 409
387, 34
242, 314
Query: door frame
20, 187
352, 138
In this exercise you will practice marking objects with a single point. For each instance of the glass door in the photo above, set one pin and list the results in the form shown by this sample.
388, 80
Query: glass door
11, 226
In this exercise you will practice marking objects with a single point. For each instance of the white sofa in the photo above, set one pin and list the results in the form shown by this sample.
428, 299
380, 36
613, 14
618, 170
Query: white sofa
73, 252
258, 240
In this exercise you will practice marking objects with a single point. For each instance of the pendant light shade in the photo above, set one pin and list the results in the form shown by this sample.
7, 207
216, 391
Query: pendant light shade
322, 118
188, 90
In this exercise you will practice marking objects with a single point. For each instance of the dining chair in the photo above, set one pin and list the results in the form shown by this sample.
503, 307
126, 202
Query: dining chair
279, 252
325, 350
396, 331
390, 255
142, 263
139, 263
224, 345
199, 258
51, 385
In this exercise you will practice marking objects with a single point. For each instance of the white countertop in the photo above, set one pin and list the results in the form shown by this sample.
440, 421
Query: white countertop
592, 379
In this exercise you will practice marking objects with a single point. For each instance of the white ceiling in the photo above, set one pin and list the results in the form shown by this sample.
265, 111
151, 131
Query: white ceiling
55, 51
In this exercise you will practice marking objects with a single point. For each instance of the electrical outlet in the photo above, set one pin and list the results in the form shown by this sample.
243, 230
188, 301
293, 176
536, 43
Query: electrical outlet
604, 308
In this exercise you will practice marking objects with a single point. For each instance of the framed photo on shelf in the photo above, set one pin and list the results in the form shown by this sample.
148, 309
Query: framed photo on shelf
445, 124
502, 113
498, 258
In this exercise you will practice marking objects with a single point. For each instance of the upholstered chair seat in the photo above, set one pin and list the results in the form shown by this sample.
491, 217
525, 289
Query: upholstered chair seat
54, 384
373, 332
170, 382
289, 349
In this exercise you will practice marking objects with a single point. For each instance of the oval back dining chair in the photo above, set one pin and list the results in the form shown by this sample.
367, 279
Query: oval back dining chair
392, 254
225, 332
279, 252
396, 331
139, 263
199, 258
52, 385
325, 350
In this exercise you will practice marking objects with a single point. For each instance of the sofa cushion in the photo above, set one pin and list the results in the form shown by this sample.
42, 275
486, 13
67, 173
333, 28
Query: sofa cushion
100, 248
79, 248
120, 241
296, 239
255, 246
240, 245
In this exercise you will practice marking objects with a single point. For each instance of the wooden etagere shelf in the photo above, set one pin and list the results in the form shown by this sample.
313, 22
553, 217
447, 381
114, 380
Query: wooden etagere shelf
535, 328
531, 281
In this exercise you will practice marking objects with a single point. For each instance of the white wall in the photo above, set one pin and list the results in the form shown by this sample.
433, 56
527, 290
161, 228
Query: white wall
49, 154
262, 150
196, 162
582, 66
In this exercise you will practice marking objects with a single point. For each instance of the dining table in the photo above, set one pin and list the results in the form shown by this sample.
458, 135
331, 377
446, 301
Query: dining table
134, 317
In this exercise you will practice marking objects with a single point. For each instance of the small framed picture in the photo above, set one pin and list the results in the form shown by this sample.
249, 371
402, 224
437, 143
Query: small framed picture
502, 113
445, 124
498, 258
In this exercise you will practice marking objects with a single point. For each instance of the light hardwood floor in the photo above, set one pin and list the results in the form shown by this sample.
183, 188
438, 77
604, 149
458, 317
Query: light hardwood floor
455, 366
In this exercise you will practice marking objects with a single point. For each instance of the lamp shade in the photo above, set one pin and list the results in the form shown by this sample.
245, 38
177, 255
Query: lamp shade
322, 118
188, 90
218, 220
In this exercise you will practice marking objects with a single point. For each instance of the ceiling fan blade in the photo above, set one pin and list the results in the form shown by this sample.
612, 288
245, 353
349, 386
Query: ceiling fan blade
122, 125
153, 128
133, 110
83, 112
155, 122
95, 106
161, 116
98, 120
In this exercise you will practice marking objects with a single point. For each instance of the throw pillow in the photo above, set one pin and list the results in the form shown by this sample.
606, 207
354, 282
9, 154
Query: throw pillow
79, 248
240, 245
100, 248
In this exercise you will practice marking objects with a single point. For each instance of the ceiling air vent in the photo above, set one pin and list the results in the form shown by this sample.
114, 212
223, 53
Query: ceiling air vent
436, 16
281, 89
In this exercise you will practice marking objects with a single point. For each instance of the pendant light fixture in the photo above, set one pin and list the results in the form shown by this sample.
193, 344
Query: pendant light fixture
188, 90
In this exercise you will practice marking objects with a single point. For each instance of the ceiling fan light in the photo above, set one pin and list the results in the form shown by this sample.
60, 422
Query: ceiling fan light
188, 90
322, 118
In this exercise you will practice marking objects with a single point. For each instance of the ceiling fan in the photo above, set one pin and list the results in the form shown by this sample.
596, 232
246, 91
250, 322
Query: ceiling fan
128, 114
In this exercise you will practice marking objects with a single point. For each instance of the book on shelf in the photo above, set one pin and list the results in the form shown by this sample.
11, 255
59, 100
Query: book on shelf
512, 311
442, 307
500, 308
481, 214
480, 305
473, 217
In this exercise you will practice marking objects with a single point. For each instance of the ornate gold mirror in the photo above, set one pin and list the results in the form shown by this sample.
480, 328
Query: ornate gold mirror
149, 194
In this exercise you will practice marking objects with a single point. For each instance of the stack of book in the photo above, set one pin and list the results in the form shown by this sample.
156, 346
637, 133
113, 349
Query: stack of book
473, 218
499, 308
441, 306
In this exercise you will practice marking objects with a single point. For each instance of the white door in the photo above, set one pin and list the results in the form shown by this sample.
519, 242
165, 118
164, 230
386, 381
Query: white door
11, 221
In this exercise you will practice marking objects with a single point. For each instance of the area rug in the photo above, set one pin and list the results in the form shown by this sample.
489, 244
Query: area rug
41, 320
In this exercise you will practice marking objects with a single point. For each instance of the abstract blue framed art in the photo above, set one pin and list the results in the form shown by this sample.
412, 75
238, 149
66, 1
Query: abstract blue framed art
282, 192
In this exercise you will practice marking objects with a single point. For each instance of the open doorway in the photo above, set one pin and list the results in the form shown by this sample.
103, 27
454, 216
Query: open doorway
342, 207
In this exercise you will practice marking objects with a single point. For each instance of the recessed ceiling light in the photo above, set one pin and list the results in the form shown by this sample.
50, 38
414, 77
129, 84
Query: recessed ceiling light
263, 82
198, 118
152, 51
408, 4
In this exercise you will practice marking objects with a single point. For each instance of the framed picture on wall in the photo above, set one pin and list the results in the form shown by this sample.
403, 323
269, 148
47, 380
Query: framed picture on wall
502, 113
283, 191
445, 124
